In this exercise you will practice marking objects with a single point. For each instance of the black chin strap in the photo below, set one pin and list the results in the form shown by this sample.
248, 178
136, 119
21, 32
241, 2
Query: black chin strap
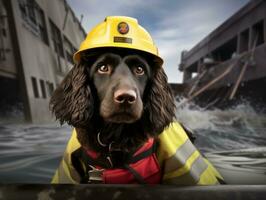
136, 175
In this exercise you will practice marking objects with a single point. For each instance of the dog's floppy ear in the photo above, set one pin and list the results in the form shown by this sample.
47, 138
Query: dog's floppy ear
160, 105
72, 101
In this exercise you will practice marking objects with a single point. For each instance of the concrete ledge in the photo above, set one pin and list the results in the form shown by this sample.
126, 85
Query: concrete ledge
128, 192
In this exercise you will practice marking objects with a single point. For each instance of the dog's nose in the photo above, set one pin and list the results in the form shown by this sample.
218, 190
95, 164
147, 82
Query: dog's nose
125, 96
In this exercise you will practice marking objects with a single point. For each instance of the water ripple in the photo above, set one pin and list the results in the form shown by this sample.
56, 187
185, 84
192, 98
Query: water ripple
234, 140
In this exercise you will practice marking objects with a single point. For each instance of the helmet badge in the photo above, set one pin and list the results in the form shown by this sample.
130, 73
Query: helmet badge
123, 28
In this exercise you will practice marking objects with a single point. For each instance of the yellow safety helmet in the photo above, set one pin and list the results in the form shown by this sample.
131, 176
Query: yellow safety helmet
119, 31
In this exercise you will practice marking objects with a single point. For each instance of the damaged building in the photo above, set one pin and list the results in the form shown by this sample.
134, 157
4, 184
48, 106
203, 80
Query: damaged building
230, 62
37, 41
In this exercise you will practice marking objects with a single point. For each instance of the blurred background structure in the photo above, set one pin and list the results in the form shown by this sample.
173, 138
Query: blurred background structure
37, 41
229, 63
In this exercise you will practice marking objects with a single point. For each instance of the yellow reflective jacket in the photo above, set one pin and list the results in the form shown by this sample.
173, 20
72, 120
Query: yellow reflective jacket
181, 163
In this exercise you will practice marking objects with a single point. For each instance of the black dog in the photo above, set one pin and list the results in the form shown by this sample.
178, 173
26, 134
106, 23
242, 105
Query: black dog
115, 96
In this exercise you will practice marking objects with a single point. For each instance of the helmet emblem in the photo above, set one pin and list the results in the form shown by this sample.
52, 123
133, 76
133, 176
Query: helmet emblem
123, 28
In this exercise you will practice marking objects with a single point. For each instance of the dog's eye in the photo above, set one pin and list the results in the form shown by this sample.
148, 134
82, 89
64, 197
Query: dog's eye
104, 69
139, 70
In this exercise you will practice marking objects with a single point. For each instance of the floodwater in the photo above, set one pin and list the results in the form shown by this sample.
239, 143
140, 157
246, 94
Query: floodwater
234, 140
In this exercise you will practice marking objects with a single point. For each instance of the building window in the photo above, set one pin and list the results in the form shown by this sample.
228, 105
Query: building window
42, 25
27, 9
258, 34
226, 51
194, 67
35, 87
69, 50
50, 88
57, 39
33, 15
4, 32
23, 9
28, 13
244, 41
43, 89
31, 5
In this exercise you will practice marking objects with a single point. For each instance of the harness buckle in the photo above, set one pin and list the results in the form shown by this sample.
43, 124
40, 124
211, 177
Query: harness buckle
95, 175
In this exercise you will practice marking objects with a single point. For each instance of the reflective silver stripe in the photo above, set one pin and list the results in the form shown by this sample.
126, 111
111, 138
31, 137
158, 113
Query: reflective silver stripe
181, 156
192, 176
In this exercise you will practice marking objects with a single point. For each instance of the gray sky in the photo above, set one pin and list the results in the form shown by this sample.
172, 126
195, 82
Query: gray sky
175, 25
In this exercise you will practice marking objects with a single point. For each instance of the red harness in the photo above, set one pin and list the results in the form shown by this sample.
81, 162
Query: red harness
142, 167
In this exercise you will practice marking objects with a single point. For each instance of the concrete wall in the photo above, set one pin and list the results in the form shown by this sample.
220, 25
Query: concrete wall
39, 60
7, 61
242, 20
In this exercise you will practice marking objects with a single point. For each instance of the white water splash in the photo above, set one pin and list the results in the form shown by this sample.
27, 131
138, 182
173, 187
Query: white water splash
31, 153
14, 114
242, 115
